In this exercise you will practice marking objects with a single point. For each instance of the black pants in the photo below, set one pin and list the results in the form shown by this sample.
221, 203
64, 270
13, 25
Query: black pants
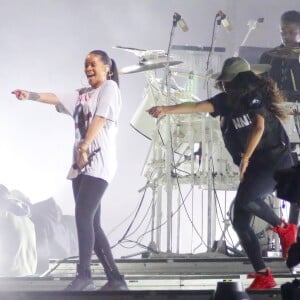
88, 192
257, 184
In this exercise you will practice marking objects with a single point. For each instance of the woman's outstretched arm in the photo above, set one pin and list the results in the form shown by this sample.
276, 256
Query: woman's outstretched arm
48, 98
183, 108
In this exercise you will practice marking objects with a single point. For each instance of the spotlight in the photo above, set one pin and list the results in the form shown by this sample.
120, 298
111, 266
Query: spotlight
228, 290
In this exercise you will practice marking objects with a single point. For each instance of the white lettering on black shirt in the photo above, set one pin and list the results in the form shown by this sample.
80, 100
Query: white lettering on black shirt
242, 121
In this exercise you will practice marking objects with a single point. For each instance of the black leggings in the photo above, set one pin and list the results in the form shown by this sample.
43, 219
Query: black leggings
88, 192
257, 184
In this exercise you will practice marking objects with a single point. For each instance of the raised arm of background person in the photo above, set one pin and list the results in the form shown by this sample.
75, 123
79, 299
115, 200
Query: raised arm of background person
183, 108
253, 139
48, 98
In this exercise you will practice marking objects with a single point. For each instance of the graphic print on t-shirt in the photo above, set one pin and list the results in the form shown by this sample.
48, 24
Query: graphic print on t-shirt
241, 122
82, 116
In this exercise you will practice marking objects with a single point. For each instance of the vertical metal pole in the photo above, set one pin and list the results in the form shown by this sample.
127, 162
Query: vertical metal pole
158, 217
211, 207
169, 187
168, 146
154, 191
178, 223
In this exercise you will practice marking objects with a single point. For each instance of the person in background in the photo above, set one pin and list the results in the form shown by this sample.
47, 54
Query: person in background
285, 71
95, 111
17, 237
285, 65
258, 144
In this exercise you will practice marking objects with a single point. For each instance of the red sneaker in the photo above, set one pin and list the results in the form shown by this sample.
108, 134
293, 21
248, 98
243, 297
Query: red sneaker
287, 236
252, 274
262, 281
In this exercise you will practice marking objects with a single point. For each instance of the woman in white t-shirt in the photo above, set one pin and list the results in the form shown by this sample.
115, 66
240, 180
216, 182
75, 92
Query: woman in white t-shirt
95, 111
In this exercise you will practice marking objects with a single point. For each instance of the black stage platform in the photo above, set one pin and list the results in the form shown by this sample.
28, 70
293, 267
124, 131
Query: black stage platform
130, 295
159, 279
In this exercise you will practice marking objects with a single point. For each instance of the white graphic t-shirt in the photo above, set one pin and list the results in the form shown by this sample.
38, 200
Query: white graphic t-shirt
104, 101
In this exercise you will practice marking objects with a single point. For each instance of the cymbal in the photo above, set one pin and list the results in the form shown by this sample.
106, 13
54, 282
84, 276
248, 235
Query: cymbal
135, 51
286, 52
147, 66
142, 52
189, 74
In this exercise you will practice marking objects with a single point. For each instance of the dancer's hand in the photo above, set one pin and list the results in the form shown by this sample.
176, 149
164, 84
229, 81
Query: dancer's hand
82, 158
21, 94
157, 111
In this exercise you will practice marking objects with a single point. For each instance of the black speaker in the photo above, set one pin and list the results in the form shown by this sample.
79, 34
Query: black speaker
291, 290
227, 290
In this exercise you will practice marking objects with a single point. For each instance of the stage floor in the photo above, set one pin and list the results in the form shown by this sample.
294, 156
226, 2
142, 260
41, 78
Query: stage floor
159, 278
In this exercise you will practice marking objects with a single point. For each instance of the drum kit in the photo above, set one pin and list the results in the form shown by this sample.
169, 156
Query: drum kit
189, 133
198, 155
292, 105
286, 53
185, 150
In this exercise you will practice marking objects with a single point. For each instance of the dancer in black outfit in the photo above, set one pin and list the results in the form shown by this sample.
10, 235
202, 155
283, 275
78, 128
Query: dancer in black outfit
258, 144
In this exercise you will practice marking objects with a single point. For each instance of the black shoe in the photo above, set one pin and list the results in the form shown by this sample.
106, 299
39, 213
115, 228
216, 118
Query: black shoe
80, 284
115, 285
83, 280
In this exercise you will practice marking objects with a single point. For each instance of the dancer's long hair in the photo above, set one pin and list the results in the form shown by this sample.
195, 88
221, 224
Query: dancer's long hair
247, 86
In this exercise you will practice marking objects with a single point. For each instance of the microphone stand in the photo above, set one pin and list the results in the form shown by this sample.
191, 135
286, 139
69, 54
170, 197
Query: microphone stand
168, 142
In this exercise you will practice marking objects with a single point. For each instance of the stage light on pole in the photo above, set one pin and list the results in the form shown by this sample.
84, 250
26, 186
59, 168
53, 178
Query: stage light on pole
229, 290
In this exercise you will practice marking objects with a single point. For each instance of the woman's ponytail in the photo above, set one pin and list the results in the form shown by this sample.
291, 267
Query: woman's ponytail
113, 72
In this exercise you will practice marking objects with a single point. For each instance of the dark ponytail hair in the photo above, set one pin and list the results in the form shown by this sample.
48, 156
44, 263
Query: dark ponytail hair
247, 86
113, 70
